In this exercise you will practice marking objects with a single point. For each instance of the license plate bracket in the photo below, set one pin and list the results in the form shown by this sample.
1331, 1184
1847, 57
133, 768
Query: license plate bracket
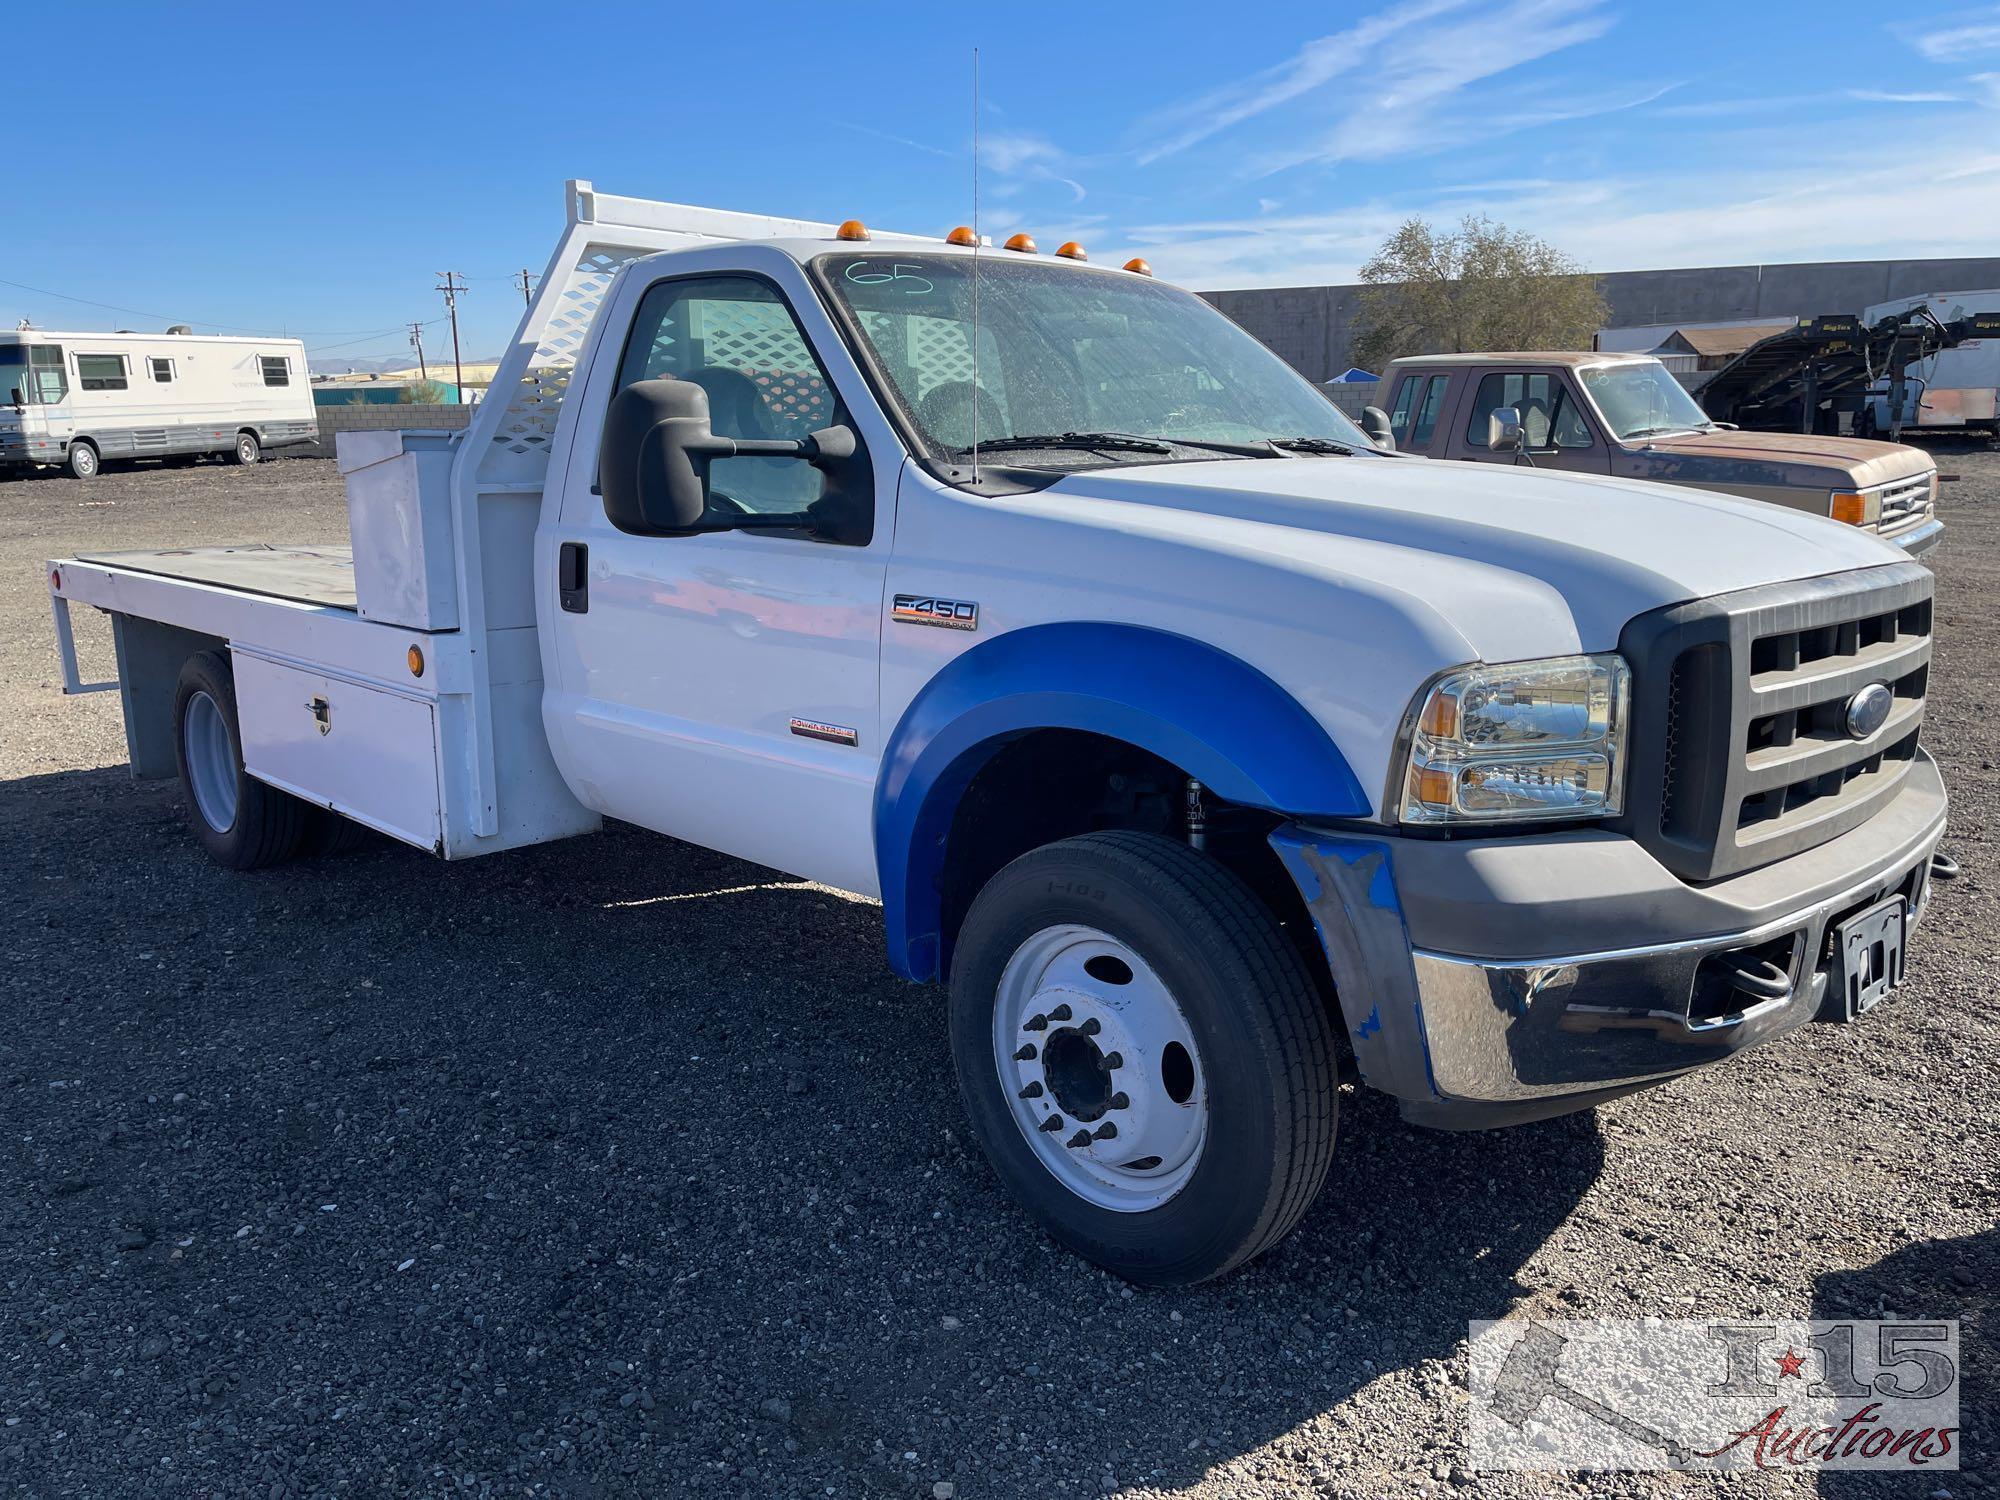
1867, 958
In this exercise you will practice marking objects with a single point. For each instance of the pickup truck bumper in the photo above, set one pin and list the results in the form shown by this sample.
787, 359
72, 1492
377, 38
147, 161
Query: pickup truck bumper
1919, 541
1492, 981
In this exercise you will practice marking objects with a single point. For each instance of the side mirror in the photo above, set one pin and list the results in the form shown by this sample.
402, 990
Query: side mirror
653, 461
652, 465
1503, 430
1375, 422
14, 397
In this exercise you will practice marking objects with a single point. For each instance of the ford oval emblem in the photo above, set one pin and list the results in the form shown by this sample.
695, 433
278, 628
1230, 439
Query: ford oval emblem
1868, 710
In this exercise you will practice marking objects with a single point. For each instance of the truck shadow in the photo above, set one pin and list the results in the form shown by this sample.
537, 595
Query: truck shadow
649, 1123
1925, 1282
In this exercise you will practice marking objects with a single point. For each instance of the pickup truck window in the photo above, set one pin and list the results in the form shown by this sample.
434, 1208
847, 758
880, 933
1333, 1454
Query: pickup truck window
1419, 399
736, 338
1064, 349
1642, 400
1546, 406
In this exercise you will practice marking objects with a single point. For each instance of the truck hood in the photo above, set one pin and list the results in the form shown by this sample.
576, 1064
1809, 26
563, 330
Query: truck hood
1520, 562
1861, 461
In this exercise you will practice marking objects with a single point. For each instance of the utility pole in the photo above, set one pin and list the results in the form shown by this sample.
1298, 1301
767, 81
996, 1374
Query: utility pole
525, 280
417, 343
451, 286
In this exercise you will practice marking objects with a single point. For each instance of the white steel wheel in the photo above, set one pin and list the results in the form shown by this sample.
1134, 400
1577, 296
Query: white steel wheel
248, 450
82, 460
211, 761
1101, 1068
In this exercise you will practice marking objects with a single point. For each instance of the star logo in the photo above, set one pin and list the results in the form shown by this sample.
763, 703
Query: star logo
1790, 1364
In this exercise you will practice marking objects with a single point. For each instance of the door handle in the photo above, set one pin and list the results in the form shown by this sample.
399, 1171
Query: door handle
573, 577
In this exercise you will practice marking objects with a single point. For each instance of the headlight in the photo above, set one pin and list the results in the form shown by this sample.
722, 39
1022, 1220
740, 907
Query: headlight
1532, 739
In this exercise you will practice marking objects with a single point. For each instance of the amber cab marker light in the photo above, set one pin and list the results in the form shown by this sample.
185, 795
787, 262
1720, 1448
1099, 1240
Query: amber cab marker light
415, 657
962, 235
1071, 250
853, 229
1022, 242
1851, 508
1138, 267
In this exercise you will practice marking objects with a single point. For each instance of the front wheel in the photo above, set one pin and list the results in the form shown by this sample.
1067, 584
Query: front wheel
82, 461
1143, 1056
247, 450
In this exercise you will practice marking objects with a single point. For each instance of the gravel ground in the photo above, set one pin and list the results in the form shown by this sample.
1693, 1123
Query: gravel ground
621, 1167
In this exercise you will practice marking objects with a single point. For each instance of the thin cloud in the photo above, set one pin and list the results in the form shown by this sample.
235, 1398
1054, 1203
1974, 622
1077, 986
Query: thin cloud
1880, 96
897, 140
1317, 63
1969, 34
1027, 158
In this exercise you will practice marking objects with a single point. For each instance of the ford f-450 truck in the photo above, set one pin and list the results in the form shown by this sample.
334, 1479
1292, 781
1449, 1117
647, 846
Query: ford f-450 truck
1203, 748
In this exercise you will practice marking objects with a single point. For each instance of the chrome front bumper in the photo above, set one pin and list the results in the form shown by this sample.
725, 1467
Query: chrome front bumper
1508, 980
1919, 540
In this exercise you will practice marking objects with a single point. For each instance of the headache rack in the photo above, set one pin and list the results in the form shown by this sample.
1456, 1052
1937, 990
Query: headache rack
1744, 751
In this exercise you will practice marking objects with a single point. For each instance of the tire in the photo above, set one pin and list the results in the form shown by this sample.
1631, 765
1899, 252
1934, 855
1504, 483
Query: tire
328, 833
1100, 925
83, 461
244, 824
247, 450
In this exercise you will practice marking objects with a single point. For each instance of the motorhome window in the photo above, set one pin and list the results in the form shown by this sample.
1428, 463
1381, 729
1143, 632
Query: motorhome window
735, 337
277, 369
45, 363
100, 372
163, 370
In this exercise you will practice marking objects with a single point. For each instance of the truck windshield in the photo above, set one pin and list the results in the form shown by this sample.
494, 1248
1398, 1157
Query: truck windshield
13, 373
1641, 400
1072, 355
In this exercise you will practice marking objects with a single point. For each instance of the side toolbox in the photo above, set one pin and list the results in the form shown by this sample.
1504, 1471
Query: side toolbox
355, 747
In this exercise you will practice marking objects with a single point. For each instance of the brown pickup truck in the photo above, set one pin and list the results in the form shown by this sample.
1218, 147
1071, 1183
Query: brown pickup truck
1625, 415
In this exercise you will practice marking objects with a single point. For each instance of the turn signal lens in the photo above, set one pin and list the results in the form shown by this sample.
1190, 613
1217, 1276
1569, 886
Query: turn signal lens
1440, 717
55, 578
1850, 507
853, 229
1138, 266
415, 658
1071, 250
962, 235
1023, 243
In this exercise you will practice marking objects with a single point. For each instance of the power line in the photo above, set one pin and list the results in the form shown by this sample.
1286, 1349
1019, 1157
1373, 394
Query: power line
368, 338
317, 333
525, 280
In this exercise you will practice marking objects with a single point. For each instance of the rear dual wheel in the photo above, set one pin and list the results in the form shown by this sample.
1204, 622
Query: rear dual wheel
243, 823
1143, 1056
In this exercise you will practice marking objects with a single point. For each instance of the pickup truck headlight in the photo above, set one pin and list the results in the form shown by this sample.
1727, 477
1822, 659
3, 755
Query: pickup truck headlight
1520, 741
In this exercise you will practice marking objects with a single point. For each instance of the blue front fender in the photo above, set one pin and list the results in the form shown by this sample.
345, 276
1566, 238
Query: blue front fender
1216, 717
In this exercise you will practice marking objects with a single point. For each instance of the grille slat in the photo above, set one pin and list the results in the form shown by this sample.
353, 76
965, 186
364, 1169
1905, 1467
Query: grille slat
1741, 708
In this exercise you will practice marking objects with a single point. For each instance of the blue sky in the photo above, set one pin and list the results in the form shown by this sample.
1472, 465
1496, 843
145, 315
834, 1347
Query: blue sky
312, 168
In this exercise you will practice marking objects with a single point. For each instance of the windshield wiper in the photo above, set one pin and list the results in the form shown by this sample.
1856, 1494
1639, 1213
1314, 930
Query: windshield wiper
1656, 431
1120, 442
1314, 445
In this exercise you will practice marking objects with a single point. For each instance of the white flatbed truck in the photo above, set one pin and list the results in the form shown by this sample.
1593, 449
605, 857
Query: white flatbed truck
1200, 745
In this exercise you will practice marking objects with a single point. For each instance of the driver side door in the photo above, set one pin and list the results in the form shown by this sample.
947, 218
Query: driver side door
723, 687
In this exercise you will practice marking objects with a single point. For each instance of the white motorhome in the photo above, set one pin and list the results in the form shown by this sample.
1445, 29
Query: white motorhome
1955, 389
83, 399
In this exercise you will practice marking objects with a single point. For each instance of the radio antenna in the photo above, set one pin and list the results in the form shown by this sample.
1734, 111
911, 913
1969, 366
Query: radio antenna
975, 267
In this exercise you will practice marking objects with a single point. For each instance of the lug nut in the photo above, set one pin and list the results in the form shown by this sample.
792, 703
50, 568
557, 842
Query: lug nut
1036, 1023
1091, 1027
1081, 1138
1053, 1122
1105, 1132
1114, 1059
1032, 1091
1060, 1013
1118, 1101
1026, 1053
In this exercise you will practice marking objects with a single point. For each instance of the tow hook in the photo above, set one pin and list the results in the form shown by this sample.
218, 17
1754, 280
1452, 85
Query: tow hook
1943, 867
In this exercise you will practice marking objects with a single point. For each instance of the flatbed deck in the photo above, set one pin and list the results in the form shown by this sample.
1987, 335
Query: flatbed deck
321, 576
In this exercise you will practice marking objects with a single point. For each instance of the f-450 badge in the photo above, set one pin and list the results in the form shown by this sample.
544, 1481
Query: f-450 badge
952, 614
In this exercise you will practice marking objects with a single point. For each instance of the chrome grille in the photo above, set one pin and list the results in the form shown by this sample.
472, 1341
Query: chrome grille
1741, 747
1905, 502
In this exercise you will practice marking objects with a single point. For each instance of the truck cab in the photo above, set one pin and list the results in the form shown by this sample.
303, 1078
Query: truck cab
1200, 749
1625, 416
